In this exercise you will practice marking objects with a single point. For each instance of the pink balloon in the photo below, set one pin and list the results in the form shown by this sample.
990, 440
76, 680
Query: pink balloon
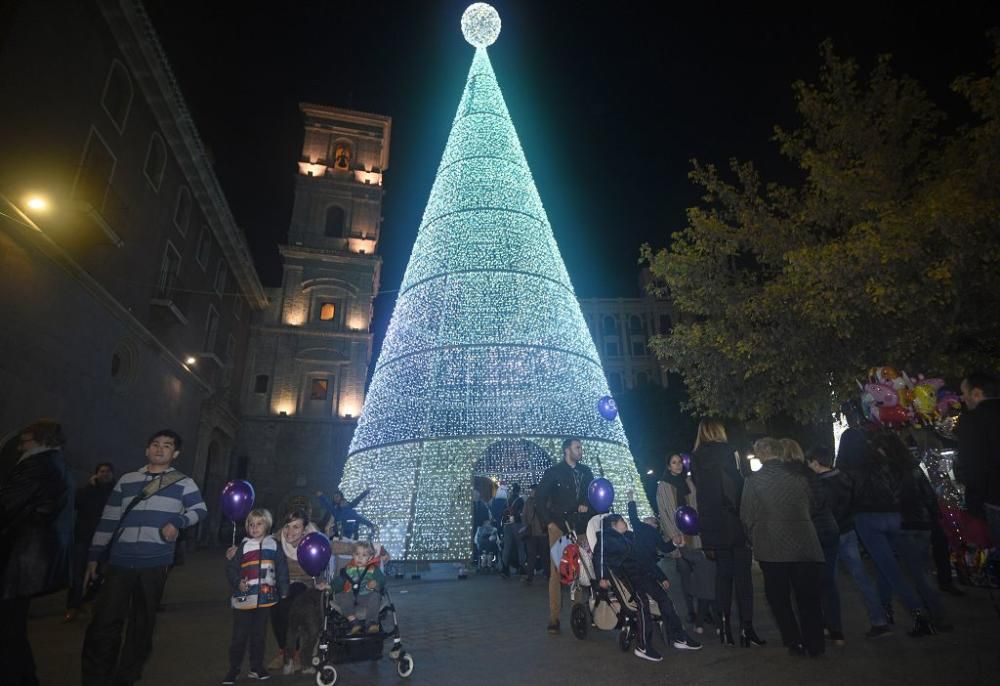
882, 394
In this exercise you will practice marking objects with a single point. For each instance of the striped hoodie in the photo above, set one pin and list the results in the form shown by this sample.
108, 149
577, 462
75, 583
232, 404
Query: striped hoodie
138, 543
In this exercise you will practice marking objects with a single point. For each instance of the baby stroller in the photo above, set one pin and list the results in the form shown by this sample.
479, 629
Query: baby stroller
616, 607
488, 548
336, 646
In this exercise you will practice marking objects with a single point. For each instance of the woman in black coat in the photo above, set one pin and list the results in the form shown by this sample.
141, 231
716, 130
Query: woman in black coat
716, 474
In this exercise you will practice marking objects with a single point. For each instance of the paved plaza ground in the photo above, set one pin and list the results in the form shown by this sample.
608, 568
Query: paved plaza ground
485, 631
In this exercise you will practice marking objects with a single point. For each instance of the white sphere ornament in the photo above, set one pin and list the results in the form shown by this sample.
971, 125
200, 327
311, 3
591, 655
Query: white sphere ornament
480, 25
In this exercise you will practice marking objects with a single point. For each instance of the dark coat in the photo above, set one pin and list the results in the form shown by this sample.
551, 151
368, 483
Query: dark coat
90, 502
978, 464
918, 507
720, 487
36, 526
777, 511
820, 510
558, 495
839, 487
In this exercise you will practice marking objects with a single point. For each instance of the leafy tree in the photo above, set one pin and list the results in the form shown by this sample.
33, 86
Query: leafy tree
886, 250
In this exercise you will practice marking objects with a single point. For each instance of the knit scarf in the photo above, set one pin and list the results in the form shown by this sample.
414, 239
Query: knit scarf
680, 484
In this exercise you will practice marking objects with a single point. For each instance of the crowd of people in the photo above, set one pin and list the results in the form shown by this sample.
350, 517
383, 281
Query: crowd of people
801, 516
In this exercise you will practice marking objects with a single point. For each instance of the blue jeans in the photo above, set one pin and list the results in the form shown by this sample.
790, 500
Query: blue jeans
880, 531
831, 594
850, 555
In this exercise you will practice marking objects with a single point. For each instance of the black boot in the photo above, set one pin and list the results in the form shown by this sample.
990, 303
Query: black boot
749, 637
726, 630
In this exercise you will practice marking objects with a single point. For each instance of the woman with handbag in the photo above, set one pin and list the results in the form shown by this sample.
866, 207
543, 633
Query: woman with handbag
697, 572
715, 471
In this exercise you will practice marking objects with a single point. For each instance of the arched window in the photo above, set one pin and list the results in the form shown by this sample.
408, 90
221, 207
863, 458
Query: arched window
327, 311
342, 155
156, 161
609, 326
335, 221
117, 97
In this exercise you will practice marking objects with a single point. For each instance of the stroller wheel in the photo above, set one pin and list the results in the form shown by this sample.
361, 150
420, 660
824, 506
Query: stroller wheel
625, 638
579, 621
404, 667
327, 676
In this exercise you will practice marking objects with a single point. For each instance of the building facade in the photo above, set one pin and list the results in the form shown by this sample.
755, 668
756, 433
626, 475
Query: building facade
311, 347
621, 328
126, 287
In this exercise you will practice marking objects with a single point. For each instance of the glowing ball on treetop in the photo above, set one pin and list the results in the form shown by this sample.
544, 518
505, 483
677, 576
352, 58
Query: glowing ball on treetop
607, 407
686, 519
237, 500
480, 25
601, 495
313, 553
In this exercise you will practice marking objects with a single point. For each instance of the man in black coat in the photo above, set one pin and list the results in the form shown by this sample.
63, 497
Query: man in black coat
89, 505
561, 502
978, 465
36, 535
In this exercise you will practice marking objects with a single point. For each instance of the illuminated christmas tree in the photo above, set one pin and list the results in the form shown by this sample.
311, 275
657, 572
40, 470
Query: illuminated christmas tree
487, 363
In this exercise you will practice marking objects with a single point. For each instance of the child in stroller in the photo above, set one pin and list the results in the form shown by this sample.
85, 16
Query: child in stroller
345, 637
629, 558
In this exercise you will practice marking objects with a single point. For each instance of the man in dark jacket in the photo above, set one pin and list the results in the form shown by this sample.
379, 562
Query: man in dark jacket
90, 502
36, 534
561, 502
978, 464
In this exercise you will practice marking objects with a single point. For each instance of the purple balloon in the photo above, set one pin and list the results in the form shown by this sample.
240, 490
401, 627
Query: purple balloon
601, 494
607, 407
237, 500
313, 553
686, 519
686, 461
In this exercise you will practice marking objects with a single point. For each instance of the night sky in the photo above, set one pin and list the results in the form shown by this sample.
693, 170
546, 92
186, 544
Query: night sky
611, 101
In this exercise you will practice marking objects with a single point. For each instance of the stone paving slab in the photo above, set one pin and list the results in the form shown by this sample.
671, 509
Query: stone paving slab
486, 631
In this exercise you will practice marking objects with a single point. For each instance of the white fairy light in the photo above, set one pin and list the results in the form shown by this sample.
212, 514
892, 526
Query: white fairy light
487, 363
480, 25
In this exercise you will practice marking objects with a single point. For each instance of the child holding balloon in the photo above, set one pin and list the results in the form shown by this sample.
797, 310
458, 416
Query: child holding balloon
258, 575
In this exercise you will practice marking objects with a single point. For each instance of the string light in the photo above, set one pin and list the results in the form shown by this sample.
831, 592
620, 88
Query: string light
487, 363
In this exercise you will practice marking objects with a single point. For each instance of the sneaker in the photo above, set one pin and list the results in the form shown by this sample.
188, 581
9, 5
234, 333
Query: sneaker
686, 643
648, 653
373, 628
278, 661
259, 674
230, 678
355, 629
288, 668
878, 631
553, 627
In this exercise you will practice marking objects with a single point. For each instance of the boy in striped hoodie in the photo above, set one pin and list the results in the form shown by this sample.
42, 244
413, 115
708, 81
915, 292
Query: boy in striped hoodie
136, 535
258, 576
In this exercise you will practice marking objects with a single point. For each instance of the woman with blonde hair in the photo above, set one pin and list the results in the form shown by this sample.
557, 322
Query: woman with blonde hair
775, 507
715, 471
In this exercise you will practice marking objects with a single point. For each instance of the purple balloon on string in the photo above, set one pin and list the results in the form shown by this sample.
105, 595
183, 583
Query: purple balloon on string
601, 494
686, 519
237, 500
313, 553
607, 407
686, 461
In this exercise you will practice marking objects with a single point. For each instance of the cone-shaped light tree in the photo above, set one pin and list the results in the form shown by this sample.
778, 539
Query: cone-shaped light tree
487, 364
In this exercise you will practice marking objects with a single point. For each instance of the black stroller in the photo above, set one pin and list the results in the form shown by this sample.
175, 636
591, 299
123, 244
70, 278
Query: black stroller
336, 646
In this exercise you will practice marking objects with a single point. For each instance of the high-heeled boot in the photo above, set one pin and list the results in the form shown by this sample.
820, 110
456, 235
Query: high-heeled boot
749, 637
726, 630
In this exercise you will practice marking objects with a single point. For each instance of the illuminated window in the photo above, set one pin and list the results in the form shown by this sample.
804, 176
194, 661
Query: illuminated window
319, 389
326, 312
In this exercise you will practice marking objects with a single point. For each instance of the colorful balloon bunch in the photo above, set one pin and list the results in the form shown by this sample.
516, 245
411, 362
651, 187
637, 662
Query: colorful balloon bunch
894, 399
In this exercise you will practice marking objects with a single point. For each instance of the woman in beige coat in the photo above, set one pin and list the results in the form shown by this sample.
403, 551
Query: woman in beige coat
697, 572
